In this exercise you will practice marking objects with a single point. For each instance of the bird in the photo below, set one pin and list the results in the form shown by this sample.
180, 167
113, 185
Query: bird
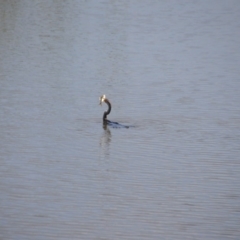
102, 99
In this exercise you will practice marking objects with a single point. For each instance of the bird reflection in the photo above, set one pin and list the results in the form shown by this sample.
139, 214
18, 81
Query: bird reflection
105, 141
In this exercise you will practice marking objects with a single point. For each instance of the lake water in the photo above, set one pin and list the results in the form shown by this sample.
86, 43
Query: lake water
170, 69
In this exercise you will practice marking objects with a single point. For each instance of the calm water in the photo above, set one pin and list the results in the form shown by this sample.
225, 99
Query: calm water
170, 69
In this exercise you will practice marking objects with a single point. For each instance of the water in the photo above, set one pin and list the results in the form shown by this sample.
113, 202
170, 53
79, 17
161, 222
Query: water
170, 69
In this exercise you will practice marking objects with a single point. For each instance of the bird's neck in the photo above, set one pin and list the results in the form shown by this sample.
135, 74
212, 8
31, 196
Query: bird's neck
109, 109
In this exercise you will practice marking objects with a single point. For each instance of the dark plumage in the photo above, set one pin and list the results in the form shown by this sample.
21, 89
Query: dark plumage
105, 120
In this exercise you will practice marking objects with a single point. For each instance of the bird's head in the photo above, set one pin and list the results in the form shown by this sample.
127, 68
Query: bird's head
102, 98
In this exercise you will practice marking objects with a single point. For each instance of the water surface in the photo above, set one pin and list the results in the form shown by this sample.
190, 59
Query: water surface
170, 69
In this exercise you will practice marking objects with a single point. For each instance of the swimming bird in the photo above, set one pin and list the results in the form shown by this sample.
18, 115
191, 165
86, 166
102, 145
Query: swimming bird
105, 120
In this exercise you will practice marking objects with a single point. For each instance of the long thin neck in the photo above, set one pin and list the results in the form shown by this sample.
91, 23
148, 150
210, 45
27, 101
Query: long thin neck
109, 109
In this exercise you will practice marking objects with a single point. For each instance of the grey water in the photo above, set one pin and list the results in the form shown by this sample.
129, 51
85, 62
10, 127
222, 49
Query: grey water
171, 69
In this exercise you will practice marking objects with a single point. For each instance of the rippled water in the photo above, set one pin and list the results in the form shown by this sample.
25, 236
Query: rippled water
170, 69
